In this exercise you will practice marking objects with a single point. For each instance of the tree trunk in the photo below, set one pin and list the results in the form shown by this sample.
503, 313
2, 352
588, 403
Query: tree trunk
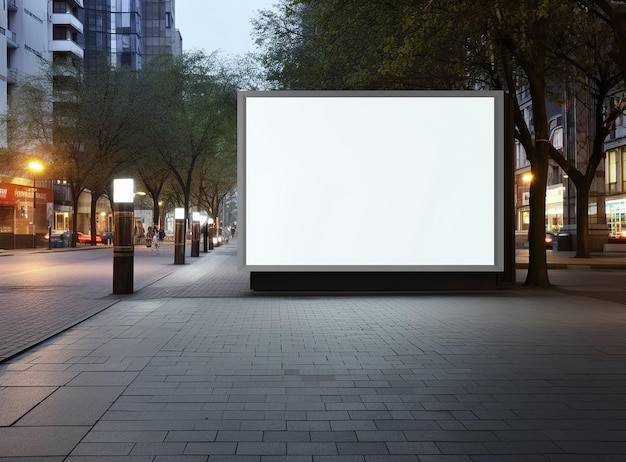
156, 212
537, 264
75, 196
92, 219
583, 245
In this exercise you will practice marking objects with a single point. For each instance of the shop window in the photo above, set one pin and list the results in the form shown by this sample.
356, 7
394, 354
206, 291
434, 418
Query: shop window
6, 219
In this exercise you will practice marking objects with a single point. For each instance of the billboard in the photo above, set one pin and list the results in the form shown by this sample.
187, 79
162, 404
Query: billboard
371, 181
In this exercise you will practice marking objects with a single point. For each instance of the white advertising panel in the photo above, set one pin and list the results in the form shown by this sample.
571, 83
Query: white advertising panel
370, 181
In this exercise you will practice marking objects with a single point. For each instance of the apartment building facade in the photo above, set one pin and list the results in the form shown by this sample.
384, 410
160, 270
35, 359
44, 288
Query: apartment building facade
615, 179
35, 33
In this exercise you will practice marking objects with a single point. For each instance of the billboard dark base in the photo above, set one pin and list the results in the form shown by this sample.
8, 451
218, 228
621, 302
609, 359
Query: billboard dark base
299, 281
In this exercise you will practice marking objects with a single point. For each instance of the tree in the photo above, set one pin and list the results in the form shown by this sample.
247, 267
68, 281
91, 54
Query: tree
106, 126
155, 179
422, 45
431, 45
188, 103
592, 78
218, 181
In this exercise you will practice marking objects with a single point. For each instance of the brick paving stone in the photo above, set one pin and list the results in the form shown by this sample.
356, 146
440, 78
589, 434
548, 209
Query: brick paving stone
286, 459
343, 458
311, 448
215, 448
102, 449
362, 448
393, 458
179, 458
335, 436
261, 448
158, 448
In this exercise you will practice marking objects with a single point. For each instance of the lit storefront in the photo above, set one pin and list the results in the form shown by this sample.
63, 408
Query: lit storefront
616, 217
554, 208
24, 213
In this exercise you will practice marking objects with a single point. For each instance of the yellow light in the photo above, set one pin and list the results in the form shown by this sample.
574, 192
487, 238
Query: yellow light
527, 177
35, 166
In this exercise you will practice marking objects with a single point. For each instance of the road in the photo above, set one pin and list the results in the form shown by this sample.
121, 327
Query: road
46, 292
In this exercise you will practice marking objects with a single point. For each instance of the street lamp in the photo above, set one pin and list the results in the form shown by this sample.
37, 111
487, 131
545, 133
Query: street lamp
195, 234
204, 217
179, 236
211, 232
123, 248
35, 167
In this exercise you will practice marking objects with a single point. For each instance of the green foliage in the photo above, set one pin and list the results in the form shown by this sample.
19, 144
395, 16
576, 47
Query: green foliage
189, 106
540, 46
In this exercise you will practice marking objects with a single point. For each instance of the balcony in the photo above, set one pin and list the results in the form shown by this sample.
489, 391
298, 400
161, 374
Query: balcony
67, 19
65, 46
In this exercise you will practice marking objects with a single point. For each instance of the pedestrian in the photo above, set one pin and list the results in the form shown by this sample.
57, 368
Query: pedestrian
149, 235
155, 240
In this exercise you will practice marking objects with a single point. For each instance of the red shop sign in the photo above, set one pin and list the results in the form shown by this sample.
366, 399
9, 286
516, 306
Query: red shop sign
10, 194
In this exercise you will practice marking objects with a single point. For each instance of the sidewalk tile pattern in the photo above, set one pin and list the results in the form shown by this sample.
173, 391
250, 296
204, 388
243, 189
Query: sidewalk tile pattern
184, 370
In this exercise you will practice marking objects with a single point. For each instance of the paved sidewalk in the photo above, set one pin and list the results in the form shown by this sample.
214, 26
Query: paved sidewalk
195, 367
567, 260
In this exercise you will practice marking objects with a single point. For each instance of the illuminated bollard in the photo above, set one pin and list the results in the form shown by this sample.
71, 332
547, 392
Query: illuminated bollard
211, 233
205, 235
123, 248
195, 235
204, 217
179, 236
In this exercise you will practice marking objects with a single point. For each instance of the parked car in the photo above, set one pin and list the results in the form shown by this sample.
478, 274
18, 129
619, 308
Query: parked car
86, 238
57, 239
65, 238
107, 237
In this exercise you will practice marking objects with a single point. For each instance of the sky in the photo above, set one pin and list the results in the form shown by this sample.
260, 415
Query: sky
218, 24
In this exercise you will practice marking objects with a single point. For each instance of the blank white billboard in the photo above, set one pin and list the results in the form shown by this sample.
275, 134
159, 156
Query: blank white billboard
370, 181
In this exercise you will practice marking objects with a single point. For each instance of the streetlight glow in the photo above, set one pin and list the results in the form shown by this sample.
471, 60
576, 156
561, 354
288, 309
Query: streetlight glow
35, 166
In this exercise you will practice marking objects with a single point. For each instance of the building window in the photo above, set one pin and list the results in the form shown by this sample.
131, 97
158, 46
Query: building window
60, 7
611, 171
623, 156
59, 33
